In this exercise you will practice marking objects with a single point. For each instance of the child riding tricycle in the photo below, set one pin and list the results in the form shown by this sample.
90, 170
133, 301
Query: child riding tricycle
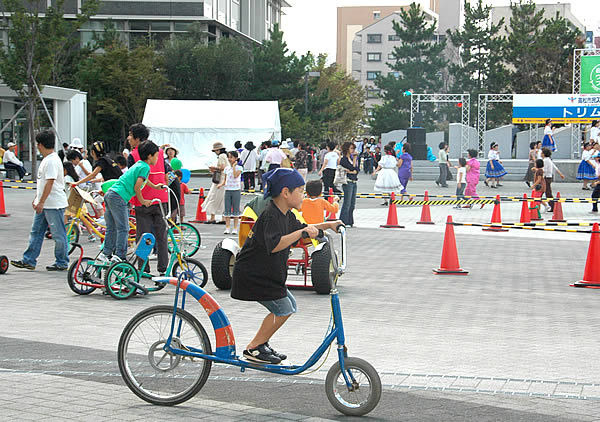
308, 257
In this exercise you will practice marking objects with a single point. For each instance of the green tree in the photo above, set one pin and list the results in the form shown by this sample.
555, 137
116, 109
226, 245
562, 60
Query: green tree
521, 53
554, 65
38, 49
118, 83
480, 47
278, 74
481, 68
418, 62
218, 71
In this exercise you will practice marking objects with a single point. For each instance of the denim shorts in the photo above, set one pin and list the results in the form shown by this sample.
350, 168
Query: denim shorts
281, 307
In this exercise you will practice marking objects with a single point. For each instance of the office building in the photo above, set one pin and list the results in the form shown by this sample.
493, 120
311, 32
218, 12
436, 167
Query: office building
143, 21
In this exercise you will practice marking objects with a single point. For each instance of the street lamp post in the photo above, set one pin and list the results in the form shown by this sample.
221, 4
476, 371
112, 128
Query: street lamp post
306, 76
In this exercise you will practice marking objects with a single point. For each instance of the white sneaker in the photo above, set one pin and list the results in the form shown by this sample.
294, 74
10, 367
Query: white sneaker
152, 257
115, 259
102, 259
234, 231
226, 231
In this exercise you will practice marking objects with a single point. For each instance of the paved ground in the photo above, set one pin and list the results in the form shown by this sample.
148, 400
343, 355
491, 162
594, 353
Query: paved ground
510, 341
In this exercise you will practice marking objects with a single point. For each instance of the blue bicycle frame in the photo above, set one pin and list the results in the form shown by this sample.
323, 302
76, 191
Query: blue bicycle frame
225, 346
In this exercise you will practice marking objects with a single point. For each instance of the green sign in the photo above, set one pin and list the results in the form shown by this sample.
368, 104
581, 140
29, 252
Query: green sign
590, 75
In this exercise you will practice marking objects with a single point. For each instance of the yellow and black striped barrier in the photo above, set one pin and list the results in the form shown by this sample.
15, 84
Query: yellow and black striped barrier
19, 187
444, 202
16, 181
551, 223
510, 226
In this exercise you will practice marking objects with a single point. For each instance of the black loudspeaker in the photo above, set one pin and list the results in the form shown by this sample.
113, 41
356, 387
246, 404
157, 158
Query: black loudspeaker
419, 152
416, 138
418, 119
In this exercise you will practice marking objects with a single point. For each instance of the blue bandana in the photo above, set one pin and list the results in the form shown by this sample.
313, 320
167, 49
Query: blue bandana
279, 178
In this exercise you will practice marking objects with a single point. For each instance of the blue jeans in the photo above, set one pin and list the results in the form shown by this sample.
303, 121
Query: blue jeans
347, 214
117, 225
232, 203
55, 219
281, 307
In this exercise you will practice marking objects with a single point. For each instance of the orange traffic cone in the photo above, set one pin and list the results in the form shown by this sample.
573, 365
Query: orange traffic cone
535, 208
525, 213
591, 274
425, 212
557, 215
449, 264
200, 215
496, 218
392, 218
2, 209
330, 215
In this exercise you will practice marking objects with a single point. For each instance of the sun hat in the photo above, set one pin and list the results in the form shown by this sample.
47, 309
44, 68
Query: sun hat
11, 144
168, 147
217, 146
76, 143
274, 143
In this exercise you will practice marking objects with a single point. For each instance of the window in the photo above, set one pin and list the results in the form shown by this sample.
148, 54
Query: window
395, 74
373, 92
372, 75
393, 38
376, 14
182, 26
391, 56
373, 57
374, 38
161, 26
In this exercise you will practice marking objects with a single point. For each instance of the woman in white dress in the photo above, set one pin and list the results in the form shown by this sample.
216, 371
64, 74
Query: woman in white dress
595, 132
387, 173
215, 201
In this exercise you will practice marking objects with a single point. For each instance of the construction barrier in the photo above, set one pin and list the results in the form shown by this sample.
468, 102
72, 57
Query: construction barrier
449, 264
2, 208
522, 226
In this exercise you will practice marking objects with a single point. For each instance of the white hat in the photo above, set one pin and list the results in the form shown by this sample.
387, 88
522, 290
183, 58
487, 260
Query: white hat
10, 144
76, 143
288, 140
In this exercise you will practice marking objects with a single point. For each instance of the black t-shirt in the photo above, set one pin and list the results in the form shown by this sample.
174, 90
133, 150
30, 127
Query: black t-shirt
260, 274
108, 168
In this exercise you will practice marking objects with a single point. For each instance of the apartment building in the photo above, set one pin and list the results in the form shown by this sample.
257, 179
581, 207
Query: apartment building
143, 21
550, 11
372, 50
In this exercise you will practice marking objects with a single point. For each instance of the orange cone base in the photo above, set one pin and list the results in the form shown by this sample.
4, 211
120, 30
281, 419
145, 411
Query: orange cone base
586, 284
558, 221
389, 226
4, 215
494, 229
425, 222
459, 271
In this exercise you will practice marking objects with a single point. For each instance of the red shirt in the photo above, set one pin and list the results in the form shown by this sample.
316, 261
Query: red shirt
184, 190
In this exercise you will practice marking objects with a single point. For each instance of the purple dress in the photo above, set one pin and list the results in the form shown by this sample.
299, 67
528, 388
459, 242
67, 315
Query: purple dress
404, 170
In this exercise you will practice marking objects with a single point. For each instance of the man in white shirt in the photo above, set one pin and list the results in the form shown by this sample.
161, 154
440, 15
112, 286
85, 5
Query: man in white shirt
330, 163
275, 156
49, 206
549, 168
11, 162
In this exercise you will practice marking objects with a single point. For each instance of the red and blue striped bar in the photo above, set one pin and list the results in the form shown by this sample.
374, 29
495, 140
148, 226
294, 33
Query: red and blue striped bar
225, 347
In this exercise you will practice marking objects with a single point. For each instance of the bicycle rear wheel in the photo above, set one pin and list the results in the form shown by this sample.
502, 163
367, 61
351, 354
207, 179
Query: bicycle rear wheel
199, 272
72, 236
154, 375
187, 237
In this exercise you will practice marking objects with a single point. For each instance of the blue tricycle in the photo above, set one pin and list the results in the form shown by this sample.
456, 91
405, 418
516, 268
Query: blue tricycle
165, 355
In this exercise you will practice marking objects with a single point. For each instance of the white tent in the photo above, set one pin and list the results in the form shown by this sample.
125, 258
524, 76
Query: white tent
194, 125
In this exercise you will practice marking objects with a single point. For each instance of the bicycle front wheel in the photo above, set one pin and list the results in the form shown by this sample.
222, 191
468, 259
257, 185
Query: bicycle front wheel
362, 396
187, 237
157, 376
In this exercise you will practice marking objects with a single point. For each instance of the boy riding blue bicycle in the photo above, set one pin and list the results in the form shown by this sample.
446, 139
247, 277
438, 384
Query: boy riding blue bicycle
260, 270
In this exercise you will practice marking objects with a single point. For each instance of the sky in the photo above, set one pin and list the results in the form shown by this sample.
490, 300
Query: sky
310, 25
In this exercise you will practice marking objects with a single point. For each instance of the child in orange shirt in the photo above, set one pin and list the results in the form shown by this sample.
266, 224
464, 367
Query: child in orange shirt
314, 207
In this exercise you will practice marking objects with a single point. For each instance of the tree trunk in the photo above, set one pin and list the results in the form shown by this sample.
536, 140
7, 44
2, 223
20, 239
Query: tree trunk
32, 143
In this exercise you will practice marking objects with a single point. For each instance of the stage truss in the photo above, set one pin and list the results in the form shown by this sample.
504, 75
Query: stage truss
482, 104
578, 53
464, 99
